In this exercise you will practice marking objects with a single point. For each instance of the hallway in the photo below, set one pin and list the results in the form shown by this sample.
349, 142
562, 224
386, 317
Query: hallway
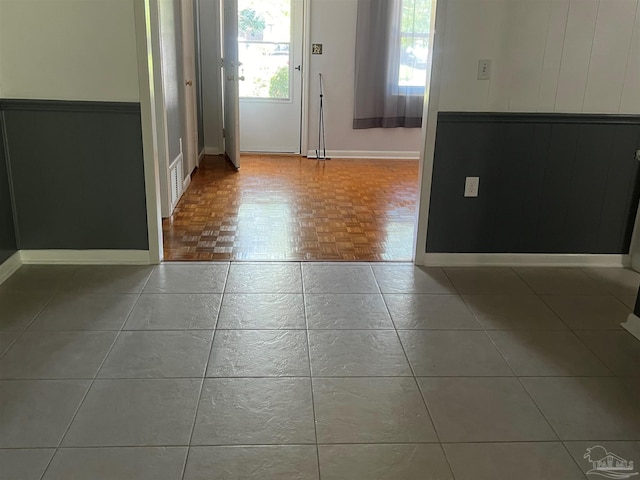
294, 208
277, 371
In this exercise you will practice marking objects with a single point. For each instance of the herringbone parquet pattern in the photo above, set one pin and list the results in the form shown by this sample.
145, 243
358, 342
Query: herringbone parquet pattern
294, 208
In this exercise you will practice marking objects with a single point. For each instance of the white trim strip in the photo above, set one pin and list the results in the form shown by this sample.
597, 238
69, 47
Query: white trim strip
524, 260
387, 155
9, 266
212, 151
85, 257
632, 325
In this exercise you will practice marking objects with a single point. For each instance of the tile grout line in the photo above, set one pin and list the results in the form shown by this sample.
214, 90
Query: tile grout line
313, 403
92, 382
204, 374
415, 379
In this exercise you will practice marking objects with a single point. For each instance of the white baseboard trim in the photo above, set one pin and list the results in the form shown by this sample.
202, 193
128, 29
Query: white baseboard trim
386, 155
185, 183
9, 266
200, 157
632, 325
524, 260
212, 151
85, 257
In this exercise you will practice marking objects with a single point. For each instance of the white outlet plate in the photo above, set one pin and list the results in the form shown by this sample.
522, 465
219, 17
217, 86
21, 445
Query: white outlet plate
484, 69
471, 186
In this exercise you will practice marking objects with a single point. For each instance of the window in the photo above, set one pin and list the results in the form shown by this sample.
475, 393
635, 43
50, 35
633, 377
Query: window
415, 22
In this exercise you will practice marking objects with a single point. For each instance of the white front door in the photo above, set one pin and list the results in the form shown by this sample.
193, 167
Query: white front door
270, 44
230, 80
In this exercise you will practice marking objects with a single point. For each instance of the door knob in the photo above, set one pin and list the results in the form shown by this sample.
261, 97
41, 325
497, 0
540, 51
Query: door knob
188, 83
241, 78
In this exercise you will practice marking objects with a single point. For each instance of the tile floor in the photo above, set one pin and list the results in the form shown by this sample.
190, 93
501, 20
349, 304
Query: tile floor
315, 371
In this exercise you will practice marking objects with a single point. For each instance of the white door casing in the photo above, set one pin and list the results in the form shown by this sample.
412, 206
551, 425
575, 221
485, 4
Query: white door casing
189, 70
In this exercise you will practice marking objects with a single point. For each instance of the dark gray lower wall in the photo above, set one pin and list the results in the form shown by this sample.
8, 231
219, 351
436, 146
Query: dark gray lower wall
8, 245
77, 174
548, 183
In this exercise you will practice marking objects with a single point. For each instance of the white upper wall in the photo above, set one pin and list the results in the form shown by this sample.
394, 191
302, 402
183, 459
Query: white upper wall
68, 50
566, 56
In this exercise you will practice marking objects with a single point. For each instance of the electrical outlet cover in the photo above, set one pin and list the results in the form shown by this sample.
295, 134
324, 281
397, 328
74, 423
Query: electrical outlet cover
471, 186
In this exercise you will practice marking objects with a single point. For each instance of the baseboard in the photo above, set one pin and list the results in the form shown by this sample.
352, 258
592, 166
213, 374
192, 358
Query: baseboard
85, 257
186, 182
632, 325
200, 157
9, 266
212, 151
386, 155
524, 260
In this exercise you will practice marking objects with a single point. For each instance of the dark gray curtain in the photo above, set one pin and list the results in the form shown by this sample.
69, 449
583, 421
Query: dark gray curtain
379, 101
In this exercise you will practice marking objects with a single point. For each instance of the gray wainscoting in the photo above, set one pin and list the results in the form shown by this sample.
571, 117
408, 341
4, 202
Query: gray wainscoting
548, 183
77, 174
8, 245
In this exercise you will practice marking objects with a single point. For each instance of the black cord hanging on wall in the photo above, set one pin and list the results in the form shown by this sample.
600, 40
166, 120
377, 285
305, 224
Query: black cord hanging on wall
321, 151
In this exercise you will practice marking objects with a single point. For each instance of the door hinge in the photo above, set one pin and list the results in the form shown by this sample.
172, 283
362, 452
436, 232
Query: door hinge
224, 133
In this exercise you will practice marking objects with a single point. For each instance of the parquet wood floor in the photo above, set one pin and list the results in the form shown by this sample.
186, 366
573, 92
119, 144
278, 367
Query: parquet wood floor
294, 208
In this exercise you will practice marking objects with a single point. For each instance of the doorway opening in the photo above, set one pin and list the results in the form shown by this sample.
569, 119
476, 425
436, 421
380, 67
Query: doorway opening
359, 206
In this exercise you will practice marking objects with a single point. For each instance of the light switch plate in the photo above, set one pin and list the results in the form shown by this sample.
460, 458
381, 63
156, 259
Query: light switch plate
484, 69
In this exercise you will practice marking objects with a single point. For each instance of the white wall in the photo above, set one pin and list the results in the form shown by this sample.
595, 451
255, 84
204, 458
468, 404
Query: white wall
569, 56
68, 50
333, 23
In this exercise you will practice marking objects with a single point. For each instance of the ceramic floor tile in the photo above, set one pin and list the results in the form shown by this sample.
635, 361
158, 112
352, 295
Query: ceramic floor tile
592, 450
262, 311
486, 281
255, 411
85, 312
183, 278
135, 413
548, 354
6, 340
570, 404
483, 410
24, 464
140, 463
319, 278
36, 413
259, 353
513, 312
430, 312
264, 278
356, 353
108, 279
370, 410
56, 355
452, 353
39, 278
411, 279
560, 281
620, 282
582, 312
388, 462
158, 354
620, 351
252, 463
175, 311
18, 309
347, 311
497, 461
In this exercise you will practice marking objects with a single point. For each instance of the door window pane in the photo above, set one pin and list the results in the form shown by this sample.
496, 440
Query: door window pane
264, 48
